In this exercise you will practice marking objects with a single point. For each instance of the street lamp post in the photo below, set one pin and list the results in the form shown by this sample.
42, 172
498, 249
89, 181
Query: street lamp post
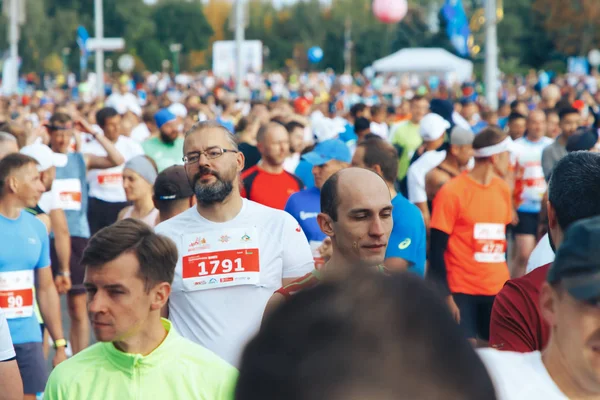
175, 50
491, 54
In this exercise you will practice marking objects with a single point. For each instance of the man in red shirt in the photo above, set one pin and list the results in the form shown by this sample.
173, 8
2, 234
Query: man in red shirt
267, 182
574, 188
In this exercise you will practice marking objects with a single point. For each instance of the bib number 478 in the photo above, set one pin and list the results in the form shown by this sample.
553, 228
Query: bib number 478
220, 266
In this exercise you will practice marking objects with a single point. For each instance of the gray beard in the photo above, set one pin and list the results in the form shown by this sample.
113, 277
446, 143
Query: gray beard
211, 194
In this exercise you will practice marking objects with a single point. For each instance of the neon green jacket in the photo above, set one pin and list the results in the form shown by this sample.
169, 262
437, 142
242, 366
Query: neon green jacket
177, 369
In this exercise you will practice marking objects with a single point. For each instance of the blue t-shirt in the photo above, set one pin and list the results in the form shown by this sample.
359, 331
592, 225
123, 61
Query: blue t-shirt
73, 175
304, 206
25, 247
304, 172
408, 239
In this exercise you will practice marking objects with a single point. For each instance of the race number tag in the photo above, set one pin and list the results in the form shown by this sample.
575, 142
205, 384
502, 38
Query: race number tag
489, 243
110, 179
220, 258
318, 259
69, 193
16, 294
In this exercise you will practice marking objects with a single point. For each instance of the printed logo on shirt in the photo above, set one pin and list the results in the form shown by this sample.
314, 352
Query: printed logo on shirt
198, 244
224, 239
298, 228
32, 240
404, 244
246, 238
307, 215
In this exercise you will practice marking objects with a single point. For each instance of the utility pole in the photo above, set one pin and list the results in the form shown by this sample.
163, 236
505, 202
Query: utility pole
13, 39
491, 54
239, 40
99, 56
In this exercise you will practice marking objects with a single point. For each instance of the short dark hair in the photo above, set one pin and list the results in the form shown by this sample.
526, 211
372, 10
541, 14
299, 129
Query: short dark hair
363, 337
574, 187
379, 152
10, 164
514, 116
290, 126
515, 103
329, 196
488, 137
60, 118
361, 124
567, 111
103, 114
417, 97
377, 108
357, 108
156, 254
551, 111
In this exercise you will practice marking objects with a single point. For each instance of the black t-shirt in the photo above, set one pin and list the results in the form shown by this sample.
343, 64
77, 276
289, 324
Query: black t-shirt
251, 155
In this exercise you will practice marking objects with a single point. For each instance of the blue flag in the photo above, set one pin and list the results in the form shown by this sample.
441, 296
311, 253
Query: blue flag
82, 37
458, 25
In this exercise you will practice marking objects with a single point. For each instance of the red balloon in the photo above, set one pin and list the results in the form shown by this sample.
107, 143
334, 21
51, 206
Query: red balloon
390, 11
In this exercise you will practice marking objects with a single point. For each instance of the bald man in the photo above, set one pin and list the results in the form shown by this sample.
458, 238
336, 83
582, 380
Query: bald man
359, 223
268, 183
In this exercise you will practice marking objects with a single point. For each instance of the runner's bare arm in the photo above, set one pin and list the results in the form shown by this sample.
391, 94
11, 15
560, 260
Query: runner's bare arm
113, 158
10, 381
274, 302
62, 238
49, 304
46, 221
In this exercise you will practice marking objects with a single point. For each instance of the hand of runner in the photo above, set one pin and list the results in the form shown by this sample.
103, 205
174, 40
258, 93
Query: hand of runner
63, 284
515, 219
59, 356
83, 126
454, 310
325, 249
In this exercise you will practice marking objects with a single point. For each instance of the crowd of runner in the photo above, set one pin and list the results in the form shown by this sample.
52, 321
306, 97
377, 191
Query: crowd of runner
332, 238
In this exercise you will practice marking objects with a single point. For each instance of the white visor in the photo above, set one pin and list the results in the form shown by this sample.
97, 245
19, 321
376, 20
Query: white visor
505, 145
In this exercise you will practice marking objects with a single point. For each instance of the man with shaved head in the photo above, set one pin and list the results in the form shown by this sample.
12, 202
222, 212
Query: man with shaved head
268, 182
233, 252
358, 219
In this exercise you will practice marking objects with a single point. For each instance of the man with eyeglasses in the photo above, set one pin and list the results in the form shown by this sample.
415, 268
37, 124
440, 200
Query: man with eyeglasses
233, 252
568, 366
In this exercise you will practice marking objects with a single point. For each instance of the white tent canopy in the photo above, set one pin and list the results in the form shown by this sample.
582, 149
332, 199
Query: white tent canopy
426, 61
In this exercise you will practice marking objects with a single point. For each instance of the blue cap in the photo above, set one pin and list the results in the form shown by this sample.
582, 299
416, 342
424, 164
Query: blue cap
163, 116
332, 149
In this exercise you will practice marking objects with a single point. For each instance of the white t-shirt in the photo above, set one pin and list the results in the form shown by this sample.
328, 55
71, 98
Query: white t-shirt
50, 200
417, 172
520, 376
541, 255
291, 163
222, 312
7, 350
107, 184
140, 133
380, 130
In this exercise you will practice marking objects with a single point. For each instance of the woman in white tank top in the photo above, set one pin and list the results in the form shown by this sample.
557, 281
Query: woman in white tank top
138, 181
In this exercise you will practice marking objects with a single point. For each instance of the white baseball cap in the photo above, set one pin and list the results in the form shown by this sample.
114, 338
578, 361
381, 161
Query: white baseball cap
44, 156
433, 126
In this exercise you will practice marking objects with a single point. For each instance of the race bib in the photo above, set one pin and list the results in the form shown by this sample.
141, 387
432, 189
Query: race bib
220, 258
16, 294
69, 193
110, 179
314, 247
489, 243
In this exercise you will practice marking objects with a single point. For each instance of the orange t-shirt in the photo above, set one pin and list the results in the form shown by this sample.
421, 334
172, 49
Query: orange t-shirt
475, 217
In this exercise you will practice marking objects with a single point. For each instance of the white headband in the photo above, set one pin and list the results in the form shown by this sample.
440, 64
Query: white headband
489, 151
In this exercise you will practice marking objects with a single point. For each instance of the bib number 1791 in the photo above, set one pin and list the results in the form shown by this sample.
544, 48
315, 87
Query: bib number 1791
220, 266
